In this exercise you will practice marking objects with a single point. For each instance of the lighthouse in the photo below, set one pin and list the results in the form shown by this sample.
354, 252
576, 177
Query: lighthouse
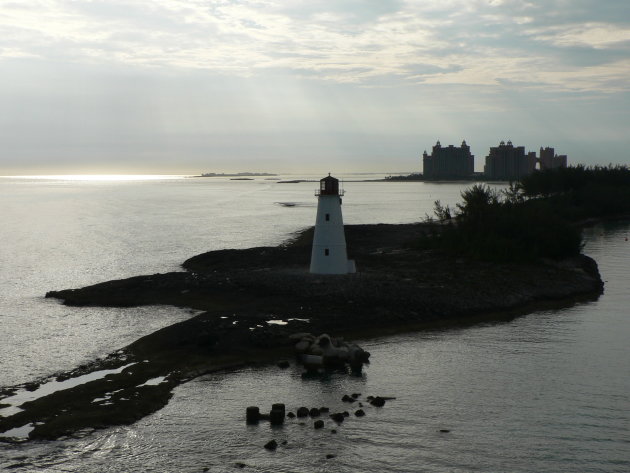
329, 255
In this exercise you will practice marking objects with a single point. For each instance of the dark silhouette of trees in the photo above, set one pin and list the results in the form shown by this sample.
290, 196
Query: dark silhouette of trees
537, 217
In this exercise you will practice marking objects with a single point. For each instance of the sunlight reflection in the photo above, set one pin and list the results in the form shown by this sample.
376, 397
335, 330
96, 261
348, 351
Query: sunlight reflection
102, 177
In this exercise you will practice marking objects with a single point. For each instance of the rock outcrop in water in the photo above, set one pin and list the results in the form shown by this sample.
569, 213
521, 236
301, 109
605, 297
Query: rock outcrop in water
254, 299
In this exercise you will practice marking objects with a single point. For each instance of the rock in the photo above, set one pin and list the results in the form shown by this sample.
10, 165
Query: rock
302, 412
356, 369
314, 412
279, 407
357, 355
271, 445
318, 424
276, 416
312, 362
323, 410
347, 398
335, 355
283, 364
378, 402
355, 395
444, 431
301, 335
252, 415
346, 414
206, 469
359, 413
333, 431
290, 415
338, 417
284, 442
329, 456
360, 404
323, 340
240, 465
302, 346
316, 350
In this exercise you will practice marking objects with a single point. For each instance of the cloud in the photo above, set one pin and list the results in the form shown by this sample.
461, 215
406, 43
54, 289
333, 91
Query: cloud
469, 41
593, 35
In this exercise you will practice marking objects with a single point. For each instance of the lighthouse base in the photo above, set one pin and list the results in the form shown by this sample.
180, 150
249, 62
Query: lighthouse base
331, 260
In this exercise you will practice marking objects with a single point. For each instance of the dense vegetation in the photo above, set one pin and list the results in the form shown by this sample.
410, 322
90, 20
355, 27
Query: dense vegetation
581, 192
535, 218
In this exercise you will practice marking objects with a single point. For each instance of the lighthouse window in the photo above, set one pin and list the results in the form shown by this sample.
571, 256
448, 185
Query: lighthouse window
326, 252
327, 217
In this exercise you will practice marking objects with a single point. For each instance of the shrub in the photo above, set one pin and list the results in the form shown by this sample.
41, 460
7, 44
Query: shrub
490, 226
582, 192
535, 217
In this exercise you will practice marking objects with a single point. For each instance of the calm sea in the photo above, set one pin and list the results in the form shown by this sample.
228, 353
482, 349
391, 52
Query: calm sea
549, 391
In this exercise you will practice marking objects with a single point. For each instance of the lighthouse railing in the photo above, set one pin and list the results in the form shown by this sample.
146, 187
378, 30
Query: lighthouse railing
319, 192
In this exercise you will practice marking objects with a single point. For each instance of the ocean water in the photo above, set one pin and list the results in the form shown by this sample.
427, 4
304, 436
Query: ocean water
549, 391
60, 233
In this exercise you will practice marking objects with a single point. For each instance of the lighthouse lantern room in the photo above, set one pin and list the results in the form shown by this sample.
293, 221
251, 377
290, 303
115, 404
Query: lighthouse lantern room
329, 255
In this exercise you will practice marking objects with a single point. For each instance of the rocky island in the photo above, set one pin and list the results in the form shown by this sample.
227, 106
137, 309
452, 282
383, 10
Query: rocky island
254, 299
495, 256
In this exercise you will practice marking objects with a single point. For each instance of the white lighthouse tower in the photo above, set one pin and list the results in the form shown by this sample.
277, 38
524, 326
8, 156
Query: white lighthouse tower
329, 255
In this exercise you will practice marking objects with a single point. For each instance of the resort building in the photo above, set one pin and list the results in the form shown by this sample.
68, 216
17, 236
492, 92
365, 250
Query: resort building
507, 162
549, 160
448, 162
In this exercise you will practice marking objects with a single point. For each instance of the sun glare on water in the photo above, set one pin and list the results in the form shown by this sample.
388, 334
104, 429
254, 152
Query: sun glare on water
102, 177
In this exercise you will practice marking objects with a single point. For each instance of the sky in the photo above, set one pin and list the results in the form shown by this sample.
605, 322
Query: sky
189, 86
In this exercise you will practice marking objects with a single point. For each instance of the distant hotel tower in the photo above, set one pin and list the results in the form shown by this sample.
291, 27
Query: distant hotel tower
507, 162
549, 160
329, 255
448, 163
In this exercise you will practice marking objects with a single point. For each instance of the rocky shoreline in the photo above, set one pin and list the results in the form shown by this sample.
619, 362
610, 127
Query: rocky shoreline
254, 299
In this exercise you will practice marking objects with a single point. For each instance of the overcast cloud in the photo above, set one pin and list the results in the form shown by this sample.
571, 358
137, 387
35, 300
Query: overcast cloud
188, 86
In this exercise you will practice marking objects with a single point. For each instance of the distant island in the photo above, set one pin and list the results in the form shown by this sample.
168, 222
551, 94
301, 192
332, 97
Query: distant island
237, 174
418, 176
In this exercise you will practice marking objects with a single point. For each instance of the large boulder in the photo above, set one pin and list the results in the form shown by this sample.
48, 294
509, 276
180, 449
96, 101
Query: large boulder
378, 401
271, 445
302, 336
302, 347
338, 417
252, 415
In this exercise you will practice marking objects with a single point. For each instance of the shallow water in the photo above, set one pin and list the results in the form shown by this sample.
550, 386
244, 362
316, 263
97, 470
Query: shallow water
49, 387
549, 392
